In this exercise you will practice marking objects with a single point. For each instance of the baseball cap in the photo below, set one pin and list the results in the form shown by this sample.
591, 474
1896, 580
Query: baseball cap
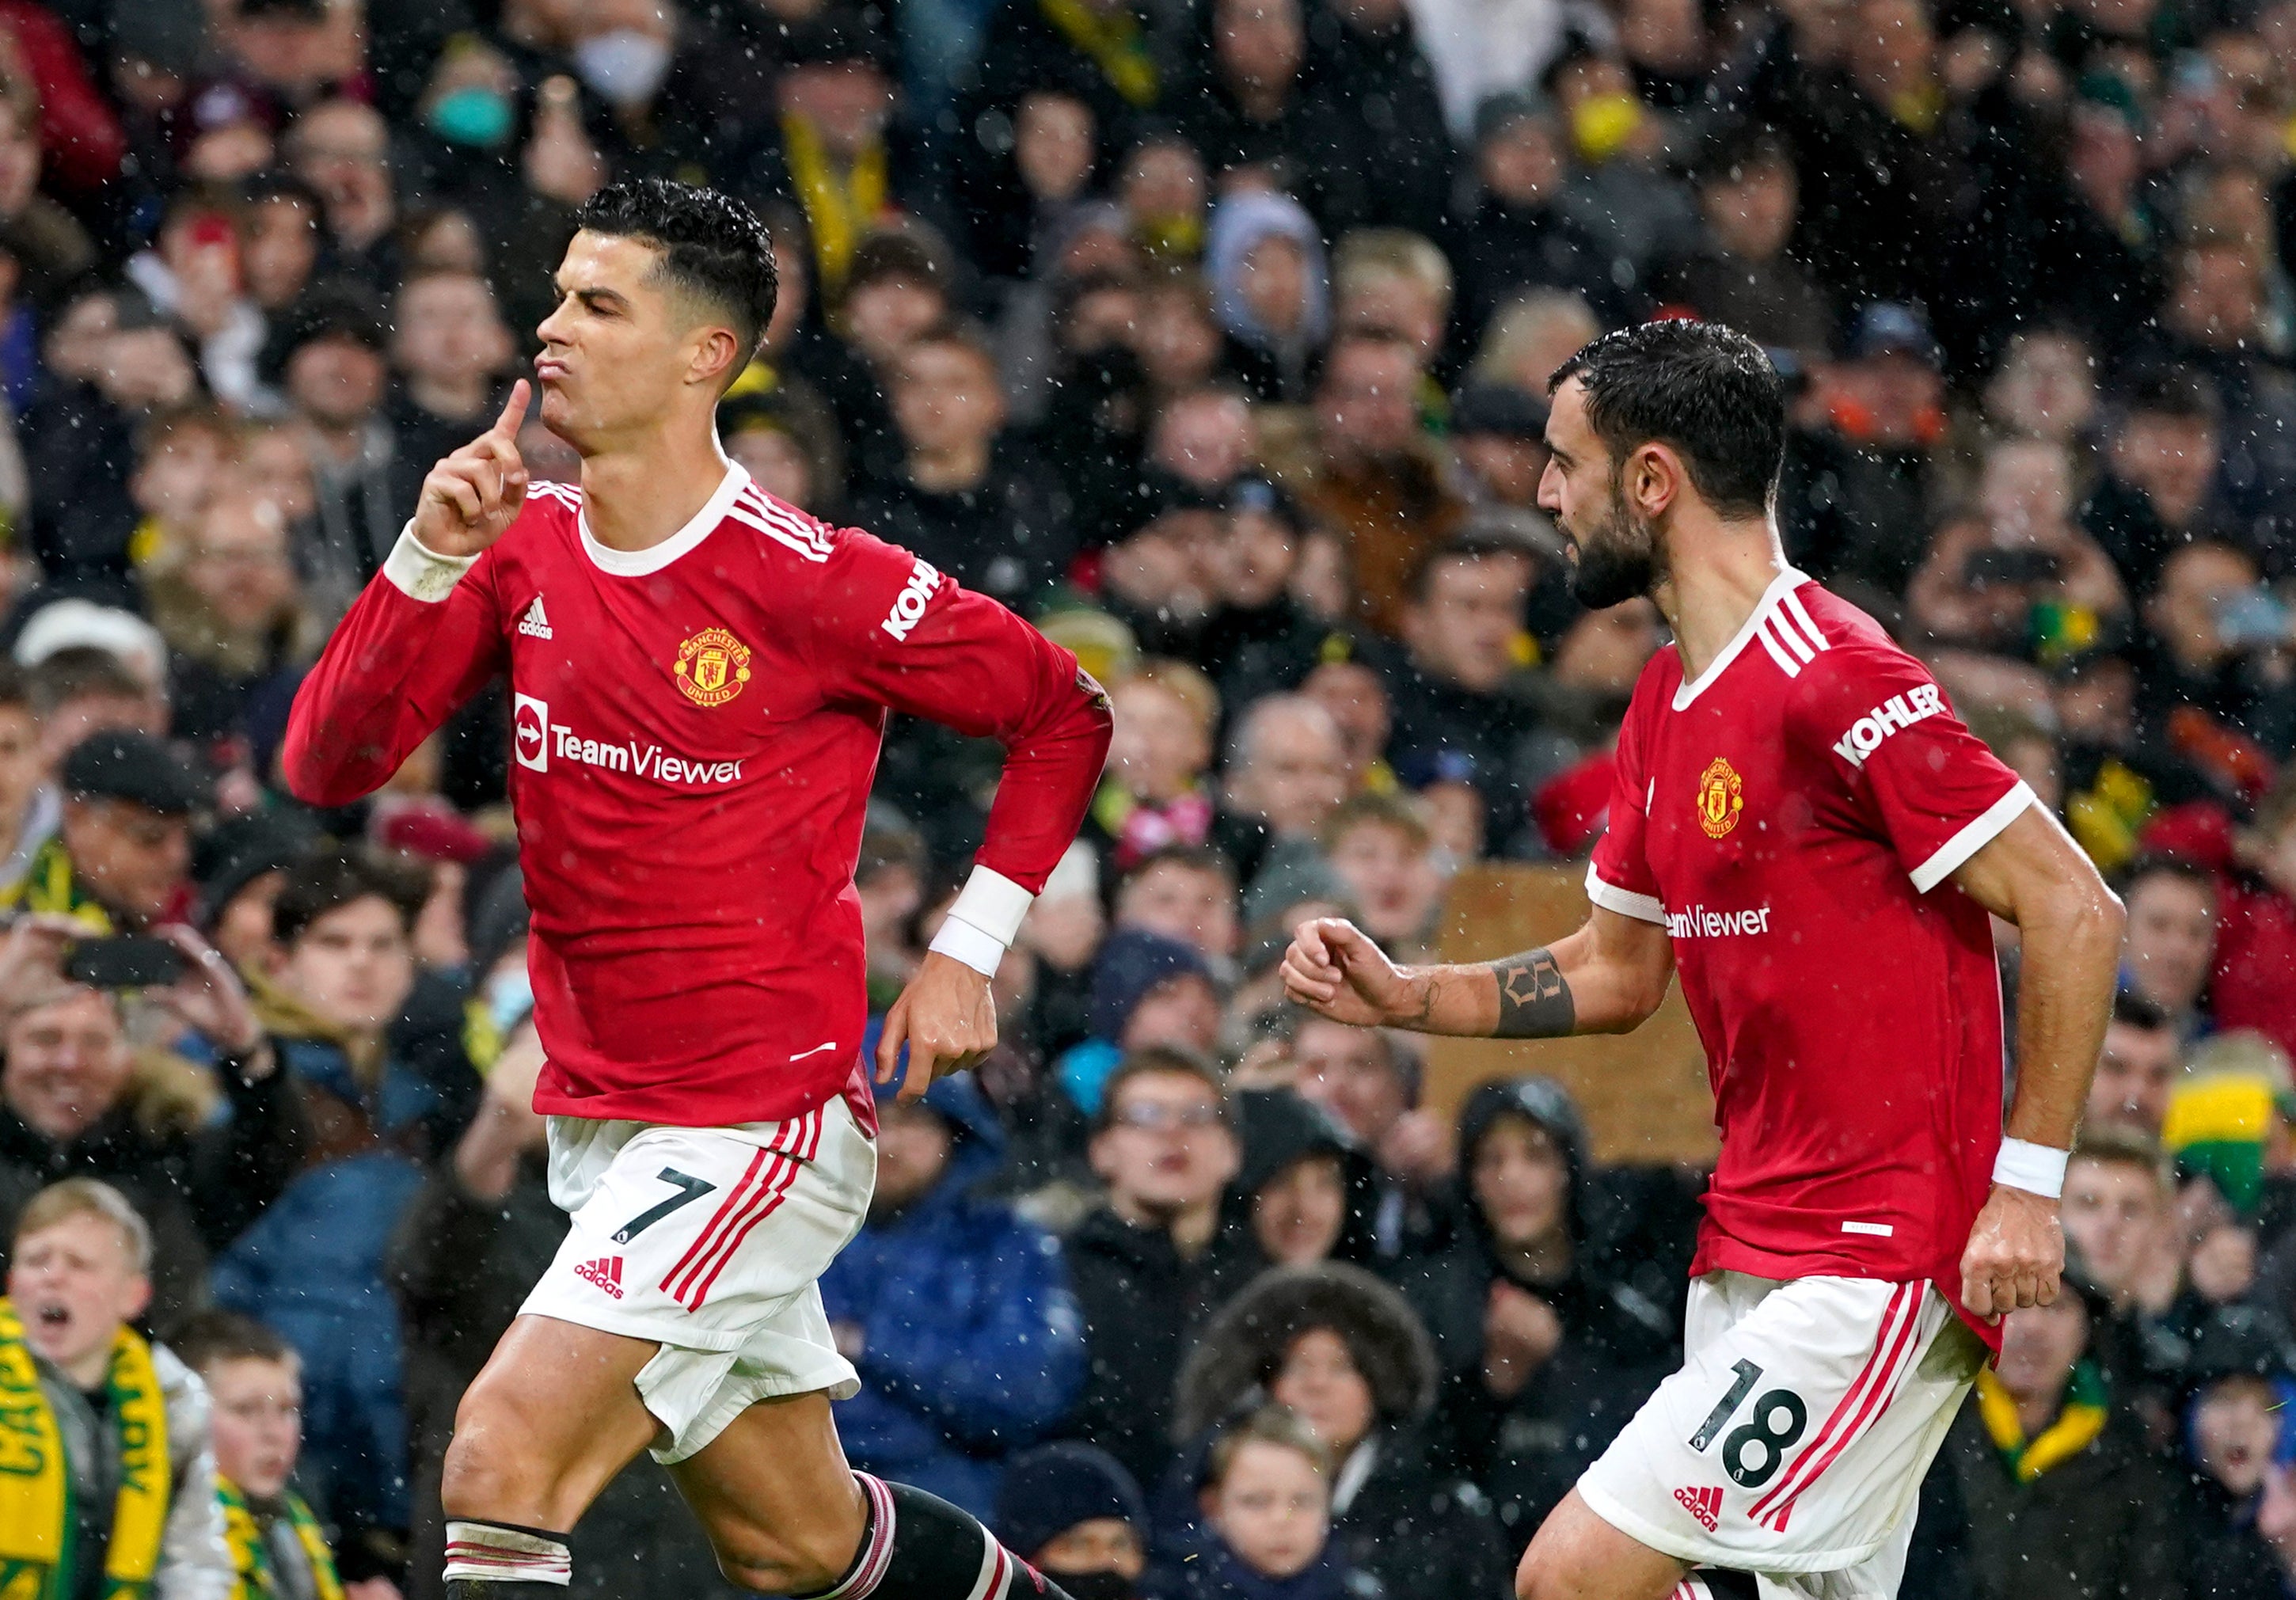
135, 768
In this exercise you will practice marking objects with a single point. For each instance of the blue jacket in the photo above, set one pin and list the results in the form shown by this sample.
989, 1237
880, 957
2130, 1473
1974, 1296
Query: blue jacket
312, 1267
972, 1346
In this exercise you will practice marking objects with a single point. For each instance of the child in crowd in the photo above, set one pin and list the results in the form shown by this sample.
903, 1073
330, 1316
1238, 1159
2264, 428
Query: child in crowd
1266, 1502
255, 1385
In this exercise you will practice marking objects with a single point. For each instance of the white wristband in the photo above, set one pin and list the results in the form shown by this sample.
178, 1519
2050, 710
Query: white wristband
2035, 1168
983, 920
420, 573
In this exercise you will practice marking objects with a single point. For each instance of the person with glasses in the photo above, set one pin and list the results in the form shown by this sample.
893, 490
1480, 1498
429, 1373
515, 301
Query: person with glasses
1150, 1267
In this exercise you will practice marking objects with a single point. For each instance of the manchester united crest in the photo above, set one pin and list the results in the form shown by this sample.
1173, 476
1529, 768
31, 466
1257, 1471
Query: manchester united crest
712, 666
1719, 798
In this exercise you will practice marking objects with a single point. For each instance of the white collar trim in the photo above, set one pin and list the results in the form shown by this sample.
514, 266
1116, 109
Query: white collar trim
1784, 584
654, 558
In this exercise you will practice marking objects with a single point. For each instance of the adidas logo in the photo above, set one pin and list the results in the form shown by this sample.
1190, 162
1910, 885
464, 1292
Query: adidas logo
606, 1273
1704, 1504
534, 622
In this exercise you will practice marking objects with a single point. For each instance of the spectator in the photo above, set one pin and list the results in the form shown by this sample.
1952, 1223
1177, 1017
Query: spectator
1304, 1191
893, 294
1260, 124
1499, 433
2256, 925
1147, 990
31, 810
77, 1277
1154, 796
2059, 1486
1267, 1498
1380, 847
2216, 643
312, 1267
2137, 1070
329, 360
956, 1313
1344, 1353
966, 498
1286, 773
1368, 1079
255, 1388
1185, 892
231, 613
2020, 579
1547, 1350
1885, 423
842, 164
79, 1100
1744, 275
1151, 1266
2159, 488
2239, 1381
2171, 936
1520, 234
1074, 1514
122, 858
77, 690
450, 348
1366, 55
1261, 637
1460, 710
342, 150
1270, 290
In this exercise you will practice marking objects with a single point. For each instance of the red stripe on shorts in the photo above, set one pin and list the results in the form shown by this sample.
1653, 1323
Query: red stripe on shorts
775, 1190
1885, 1392
1891, 1315
733, 1198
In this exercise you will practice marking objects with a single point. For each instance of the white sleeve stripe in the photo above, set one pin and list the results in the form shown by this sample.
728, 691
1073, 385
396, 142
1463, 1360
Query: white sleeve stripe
1793, 604
1973, 837
1625, 902
1792, 635
1786, 663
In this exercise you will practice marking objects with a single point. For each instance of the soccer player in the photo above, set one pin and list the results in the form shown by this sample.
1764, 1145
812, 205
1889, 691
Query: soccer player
1802, 827
701, 676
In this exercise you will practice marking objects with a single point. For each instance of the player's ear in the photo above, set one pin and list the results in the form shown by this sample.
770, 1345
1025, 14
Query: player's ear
1655, 477
716, 359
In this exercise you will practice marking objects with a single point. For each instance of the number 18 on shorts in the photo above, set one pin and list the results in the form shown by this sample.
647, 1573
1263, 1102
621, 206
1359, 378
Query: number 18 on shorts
1795, 1437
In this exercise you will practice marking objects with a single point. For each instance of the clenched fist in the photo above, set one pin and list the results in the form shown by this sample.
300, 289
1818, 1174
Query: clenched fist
473, 495
2015, 1256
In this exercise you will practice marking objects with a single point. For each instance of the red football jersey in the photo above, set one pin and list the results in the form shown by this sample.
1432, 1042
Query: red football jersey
1792, 820
696, 728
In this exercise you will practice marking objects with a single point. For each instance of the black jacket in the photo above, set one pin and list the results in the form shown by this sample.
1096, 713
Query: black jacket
1143, 1309
2101, 1526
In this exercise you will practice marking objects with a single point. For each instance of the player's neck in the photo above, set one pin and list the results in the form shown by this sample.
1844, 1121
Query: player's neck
635, 499
1716, 576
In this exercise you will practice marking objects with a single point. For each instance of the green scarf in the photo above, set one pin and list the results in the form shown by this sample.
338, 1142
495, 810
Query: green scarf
38, 1523
1113, 39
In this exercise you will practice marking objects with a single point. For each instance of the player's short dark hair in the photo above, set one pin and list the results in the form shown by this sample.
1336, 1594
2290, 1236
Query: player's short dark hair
1704, 391
2133, 1010
712, 246
206, 1338
335, 879
1155, 1060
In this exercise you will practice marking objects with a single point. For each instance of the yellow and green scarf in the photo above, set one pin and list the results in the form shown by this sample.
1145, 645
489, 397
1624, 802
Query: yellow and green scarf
48, 884
2077, 1426
1113, 39
250, 1552
38, 1524
840, 207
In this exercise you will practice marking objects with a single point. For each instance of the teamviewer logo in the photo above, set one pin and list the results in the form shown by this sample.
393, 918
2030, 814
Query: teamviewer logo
530, 732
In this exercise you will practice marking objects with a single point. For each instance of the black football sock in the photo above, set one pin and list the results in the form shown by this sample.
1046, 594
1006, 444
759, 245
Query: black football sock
501, 1561
918, 1547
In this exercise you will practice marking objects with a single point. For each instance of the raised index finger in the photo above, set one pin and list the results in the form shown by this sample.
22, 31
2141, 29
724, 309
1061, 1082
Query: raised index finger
513, 411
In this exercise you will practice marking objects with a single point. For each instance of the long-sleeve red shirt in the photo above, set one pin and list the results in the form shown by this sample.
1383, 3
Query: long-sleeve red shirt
696, 727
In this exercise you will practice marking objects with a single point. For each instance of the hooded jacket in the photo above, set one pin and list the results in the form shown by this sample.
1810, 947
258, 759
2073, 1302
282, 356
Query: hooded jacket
1394, 1516
1618, 1340
972, 1344
1279, 1130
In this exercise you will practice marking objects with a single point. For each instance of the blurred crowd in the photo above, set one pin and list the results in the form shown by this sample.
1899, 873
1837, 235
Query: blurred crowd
1213, 339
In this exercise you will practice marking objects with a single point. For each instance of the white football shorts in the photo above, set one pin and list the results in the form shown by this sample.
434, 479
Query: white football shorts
709, 1242
1793, 1443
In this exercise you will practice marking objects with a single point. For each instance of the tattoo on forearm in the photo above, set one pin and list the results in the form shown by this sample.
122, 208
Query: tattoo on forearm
1534, 999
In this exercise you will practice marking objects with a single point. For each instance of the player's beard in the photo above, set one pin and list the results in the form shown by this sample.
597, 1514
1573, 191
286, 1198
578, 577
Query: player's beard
1620, 558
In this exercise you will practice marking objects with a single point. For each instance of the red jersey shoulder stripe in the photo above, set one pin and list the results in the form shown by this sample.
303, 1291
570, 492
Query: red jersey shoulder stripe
753, 509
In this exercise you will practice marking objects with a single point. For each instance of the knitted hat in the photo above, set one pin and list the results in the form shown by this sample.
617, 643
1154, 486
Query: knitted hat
1132, 964
1049, 1490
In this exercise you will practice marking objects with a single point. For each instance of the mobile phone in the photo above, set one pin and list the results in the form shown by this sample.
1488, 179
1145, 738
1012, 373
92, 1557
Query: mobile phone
124, 963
